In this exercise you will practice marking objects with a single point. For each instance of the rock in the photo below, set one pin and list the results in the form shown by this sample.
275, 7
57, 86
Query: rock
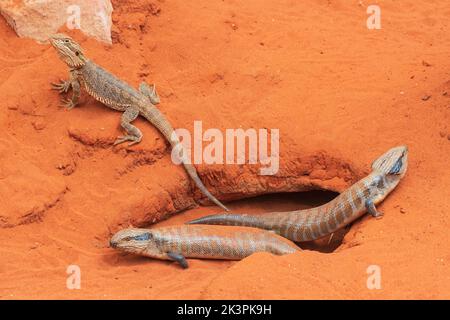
38, 125
40, 19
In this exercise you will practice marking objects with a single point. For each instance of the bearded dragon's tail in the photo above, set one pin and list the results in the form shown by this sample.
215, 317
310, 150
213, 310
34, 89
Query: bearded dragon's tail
192, 172
155, 117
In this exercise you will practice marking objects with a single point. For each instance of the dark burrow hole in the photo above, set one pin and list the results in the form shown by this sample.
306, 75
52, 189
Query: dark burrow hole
277, 202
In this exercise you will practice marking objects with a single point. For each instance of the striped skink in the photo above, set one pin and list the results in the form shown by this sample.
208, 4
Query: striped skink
205, 242
315, 223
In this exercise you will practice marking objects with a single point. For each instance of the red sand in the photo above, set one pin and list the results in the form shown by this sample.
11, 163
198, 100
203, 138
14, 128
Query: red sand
339, 93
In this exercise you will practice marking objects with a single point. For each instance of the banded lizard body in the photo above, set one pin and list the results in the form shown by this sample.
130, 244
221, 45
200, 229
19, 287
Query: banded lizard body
204, 242
118, 95
315, 223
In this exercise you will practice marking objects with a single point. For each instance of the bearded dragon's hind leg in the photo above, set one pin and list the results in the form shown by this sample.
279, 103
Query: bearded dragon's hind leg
133, 133
150, 91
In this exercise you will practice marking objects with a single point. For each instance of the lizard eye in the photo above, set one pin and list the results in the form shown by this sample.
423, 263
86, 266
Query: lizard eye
77, 53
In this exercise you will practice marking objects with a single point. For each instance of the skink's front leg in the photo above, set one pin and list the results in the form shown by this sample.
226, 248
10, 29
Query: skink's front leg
370, 206
178, 258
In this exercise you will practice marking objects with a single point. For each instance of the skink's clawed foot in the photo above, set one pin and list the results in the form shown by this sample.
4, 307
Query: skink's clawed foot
121, 139
370, 206
177, 257
61, 87
67, 103
378, 215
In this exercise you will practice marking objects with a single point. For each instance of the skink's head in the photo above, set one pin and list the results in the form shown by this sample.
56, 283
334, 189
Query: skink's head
388, 170
138, 241
393, 163
69, 51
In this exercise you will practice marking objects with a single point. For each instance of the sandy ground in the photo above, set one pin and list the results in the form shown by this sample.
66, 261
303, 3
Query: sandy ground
339, 93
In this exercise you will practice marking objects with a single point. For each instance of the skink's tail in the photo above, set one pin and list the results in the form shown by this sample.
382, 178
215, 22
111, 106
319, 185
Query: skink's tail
230, 220
155, 117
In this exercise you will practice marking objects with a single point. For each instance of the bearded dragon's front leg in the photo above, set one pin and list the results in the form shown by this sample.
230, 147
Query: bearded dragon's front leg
64, 87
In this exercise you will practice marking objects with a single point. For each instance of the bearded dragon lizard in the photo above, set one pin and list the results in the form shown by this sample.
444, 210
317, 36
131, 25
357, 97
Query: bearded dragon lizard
116, 94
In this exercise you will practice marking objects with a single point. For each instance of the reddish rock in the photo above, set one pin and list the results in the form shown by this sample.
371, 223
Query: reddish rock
40, 19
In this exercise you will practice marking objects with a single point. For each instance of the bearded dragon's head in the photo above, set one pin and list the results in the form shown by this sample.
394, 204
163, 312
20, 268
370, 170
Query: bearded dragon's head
69, 51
